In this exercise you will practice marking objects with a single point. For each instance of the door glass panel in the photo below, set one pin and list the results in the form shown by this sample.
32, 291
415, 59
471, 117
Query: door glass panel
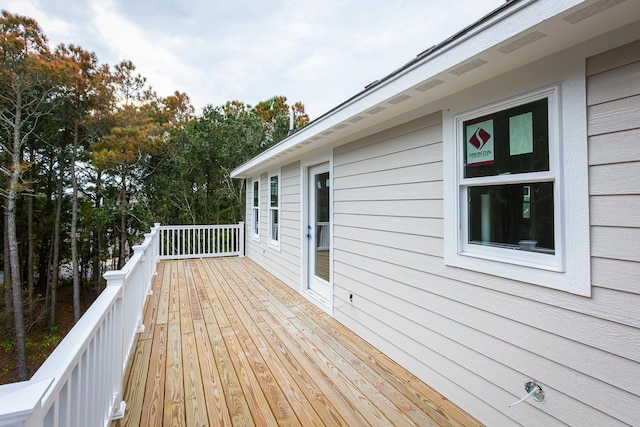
322, 225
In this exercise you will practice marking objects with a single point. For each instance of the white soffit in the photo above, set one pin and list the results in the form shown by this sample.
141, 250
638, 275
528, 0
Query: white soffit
516, 34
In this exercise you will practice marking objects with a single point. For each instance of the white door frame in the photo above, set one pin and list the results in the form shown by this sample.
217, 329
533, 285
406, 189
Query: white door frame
323, 300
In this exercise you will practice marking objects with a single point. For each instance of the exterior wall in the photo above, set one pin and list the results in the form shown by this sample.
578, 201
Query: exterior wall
284, 263
477, 338
614, 172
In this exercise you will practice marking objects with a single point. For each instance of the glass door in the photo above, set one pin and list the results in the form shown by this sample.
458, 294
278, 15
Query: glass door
319, 230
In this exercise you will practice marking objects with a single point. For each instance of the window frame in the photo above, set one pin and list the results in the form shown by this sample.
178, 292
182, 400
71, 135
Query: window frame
568, 166
553, 262
274, 243
255, 209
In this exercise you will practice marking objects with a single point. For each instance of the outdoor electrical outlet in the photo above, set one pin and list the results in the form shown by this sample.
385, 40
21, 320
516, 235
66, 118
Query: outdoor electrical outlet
350, 297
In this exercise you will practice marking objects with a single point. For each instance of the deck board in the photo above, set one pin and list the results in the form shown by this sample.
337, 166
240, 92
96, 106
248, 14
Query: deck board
174, 407
228, 344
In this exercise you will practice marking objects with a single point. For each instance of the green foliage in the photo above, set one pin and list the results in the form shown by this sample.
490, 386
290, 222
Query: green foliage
191, 182
43, 348
137, 158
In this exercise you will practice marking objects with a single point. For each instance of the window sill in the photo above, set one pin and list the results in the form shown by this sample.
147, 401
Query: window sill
545, 275
274, 245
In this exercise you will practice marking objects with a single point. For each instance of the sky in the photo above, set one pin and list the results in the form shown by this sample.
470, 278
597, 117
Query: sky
320, 53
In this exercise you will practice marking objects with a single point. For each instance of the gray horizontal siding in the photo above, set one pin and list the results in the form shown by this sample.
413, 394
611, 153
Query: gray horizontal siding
475, 337
614, 171
285, 262
472, 335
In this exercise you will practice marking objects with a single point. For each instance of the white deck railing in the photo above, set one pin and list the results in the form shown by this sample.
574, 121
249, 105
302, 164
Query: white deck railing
201, 241
82, 381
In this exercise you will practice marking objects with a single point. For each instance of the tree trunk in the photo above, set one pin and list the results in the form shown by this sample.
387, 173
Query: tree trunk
8, 297
74, 228
123, 225
12, 237
96, 244
48, 269
56, 245
30, 238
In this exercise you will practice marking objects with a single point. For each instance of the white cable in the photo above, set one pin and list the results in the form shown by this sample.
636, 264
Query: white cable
528, 395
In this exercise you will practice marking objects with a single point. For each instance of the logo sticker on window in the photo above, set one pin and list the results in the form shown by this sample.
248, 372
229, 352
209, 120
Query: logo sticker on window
479, 137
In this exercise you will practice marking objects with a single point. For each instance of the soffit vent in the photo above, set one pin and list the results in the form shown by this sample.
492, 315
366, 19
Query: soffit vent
340, 126
522, 42
398, 99
429, 85
591, 10
326, 132
468, 67
356, 119
375, 110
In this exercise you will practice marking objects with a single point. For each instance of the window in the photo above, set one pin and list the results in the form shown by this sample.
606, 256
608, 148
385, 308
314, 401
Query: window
509, 208
274, 210
507, 180
255, 220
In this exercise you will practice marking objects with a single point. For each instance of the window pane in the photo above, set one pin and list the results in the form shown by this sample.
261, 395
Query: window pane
255, 194
322, 197
508, 142
274, 224
256, 221
515, 215
274, 192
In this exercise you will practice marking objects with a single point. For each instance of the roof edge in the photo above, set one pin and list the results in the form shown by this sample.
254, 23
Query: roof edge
299, 136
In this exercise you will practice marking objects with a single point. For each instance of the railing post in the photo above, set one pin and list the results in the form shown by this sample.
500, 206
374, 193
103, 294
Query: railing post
159, 237
143, 287
241, 239
116, 278
21, 403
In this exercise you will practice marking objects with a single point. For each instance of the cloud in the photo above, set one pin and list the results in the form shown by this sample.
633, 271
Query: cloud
154, 53
47, 22
320, 53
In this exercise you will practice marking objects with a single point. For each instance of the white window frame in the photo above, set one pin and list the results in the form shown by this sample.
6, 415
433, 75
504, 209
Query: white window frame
553, 262
568, 269
255, 210
274, 243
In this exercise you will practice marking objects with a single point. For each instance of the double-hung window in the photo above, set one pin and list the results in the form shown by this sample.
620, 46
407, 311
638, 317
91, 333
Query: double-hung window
508, 175
255, 211
274, 210
510, 202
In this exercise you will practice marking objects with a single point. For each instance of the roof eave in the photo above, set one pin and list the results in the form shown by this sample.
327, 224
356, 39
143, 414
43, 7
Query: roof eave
488, 47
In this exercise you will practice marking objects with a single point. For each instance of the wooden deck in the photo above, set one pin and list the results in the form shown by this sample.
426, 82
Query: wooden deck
228, 344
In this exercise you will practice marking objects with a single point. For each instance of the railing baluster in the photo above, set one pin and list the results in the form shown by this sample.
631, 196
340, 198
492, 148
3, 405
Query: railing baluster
81, 383
199, 241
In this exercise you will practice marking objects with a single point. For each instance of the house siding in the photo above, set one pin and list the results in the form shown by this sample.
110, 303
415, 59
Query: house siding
284, 263
613, 99
477, 338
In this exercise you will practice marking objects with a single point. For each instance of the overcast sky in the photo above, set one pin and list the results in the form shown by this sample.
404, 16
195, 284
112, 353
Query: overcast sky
319, 52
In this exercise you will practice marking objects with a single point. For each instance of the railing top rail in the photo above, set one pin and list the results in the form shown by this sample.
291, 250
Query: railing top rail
29, 401
196, 227
134, 260
63, 359
45, 387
